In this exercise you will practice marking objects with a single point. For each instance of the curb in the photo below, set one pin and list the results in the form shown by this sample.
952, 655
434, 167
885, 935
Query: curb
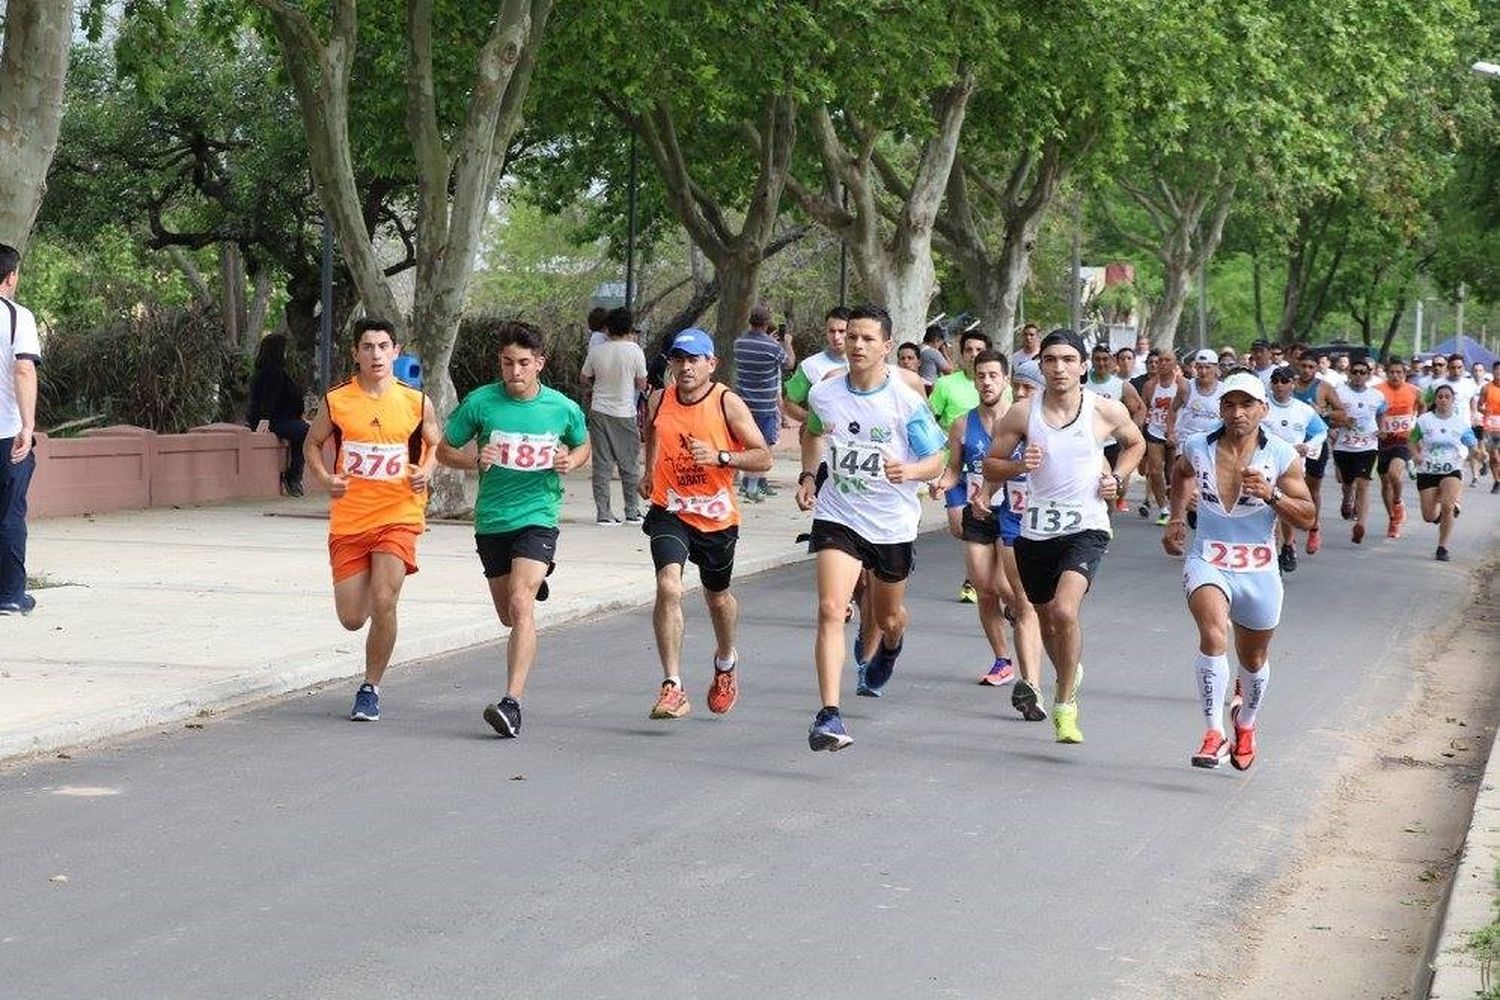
287, 674
1455, 971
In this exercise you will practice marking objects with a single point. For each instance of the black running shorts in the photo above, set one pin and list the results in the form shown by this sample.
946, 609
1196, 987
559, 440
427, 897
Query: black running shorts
1041, 563
1354, 465
673, 540
498, 549
891, 562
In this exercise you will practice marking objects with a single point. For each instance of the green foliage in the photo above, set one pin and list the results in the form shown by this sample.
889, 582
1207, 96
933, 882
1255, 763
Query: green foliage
85, 284
163, 368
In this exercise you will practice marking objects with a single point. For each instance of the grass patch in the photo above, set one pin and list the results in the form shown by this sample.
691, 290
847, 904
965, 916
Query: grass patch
1485, 944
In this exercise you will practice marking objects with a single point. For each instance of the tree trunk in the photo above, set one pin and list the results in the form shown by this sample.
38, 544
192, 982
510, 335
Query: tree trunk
232, 290
33, 70
1177, 279
738, 279
260, 307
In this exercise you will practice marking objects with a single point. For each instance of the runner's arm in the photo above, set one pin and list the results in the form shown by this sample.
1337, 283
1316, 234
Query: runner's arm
1315, 435
1134, 405
451, 449
794, 394
648, 456
318, 434
1125, 432
950, 475
998, 466
1334, 414
1295, 504
755, 456
1179, 488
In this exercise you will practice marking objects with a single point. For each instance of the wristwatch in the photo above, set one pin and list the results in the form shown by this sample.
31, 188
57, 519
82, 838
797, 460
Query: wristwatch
723, 458
1276, 496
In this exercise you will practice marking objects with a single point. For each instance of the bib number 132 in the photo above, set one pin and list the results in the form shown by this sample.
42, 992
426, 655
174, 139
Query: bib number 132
1054, 520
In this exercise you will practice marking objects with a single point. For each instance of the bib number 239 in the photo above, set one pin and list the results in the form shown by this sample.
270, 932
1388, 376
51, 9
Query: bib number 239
1054, 519
1238, 557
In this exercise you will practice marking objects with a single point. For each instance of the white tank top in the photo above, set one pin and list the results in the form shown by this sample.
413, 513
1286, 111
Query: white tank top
1200, 414
1161, 404
1111, 388
1063, 492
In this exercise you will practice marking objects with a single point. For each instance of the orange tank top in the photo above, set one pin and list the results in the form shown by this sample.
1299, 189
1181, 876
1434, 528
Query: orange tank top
377, 439
1400, 414
702, 495
1489, 407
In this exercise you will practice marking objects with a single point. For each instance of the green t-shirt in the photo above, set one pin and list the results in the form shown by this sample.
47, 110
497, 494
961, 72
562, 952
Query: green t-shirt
522, 489
953, 395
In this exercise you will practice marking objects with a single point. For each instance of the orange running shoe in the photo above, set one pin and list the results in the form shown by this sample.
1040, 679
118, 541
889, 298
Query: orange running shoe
1398, 514
672, 704
723, 692
1243, 754
1393, 530
1314, 541
1213, 752
1122, 505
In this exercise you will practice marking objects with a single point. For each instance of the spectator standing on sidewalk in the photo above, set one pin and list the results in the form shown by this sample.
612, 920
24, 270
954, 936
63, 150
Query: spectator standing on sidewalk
613, 373
597, 333
758, 362
277, 400
20, 354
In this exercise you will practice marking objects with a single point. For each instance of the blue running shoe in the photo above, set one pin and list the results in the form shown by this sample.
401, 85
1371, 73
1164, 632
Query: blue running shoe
861, 684
859, 650
366, 704
827, 732
878, 671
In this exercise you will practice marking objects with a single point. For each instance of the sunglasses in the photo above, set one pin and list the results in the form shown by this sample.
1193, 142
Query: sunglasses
1359, 371
1282, 379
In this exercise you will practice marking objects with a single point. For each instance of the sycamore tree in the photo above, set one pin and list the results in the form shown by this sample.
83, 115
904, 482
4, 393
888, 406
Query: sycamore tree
33, 71
1275, 101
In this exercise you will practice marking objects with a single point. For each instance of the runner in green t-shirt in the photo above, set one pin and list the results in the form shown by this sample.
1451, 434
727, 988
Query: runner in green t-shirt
529, 436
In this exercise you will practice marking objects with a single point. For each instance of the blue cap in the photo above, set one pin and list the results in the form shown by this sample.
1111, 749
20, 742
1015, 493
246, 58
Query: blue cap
692, 341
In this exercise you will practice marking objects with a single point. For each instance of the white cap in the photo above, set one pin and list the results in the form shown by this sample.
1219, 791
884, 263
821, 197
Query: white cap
1205, 357
1031, 373
1247, 382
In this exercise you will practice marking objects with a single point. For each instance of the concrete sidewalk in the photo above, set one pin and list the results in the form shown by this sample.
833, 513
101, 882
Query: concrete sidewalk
152, 616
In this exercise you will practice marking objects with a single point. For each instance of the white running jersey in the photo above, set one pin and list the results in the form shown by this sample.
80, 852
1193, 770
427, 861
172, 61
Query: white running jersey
1264, 374
1295, 422
1444, 443
863, 429
817, 366
1111, 388
1242, 535
1159, 406
1464, 391
1063, 492
1200, 414
1364, 407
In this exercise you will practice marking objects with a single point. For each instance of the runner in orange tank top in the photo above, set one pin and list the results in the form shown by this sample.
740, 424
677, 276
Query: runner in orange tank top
698, 434
1403, 404
385, 438
1488, 403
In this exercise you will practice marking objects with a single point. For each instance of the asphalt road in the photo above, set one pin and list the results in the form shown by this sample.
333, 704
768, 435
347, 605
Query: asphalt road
954, 850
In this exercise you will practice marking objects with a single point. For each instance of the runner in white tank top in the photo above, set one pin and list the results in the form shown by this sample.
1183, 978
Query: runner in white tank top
1065, 530
1104, 380
1161, 394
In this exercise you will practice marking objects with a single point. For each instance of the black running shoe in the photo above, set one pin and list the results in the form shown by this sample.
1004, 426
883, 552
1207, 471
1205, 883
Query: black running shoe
1024, 699
504, 717
1442, 554
1288, 559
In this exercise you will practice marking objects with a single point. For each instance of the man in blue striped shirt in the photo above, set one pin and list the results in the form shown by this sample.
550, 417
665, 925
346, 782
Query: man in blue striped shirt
758, 362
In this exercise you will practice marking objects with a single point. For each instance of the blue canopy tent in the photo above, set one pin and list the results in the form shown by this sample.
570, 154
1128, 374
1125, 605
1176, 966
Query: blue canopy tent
1471, 349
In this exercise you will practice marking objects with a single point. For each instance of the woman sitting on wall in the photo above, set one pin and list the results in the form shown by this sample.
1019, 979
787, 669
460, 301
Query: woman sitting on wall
276, 399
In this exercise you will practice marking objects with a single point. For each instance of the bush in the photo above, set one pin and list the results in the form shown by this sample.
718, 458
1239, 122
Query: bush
163, 368
475, 359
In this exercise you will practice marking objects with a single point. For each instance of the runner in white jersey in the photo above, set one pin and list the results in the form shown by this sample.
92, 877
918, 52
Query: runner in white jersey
1246, 479
1103, 380
1299, 425
1160, 395
1356, 440
1196, 411
1441, 441
882, 443
1065, 529
816, 367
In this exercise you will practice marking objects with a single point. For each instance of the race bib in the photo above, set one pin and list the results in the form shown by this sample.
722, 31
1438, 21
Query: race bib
1398, 424
524, 452
1015, 497
717, 507
856, 460
1439, 463
1358, 441
1239, 557
1053, 517
1492, 423
368, 460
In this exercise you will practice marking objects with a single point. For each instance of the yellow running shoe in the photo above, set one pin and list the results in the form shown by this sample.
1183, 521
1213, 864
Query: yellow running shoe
1065, 722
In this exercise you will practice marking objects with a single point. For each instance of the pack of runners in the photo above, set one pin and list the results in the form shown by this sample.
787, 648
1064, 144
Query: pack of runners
1032, 454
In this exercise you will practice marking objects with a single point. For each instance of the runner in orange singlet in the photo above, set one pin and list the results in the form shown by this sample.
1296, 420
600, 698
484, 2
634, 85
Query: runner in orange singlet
1403, 404
698, 434
386, 436
1488, 403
